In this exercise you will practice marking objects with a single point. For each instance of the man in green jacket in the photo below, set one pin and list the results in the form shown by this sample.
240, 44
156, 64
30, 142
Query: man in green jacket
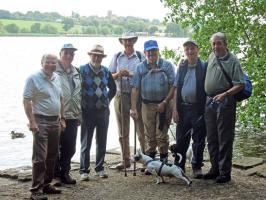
71, 86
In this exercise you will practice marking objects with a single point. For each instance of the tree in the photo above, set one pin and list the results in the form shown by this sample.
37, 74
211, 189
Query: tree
244, 22
153, 29
68, 23
47, 28
12, 28
35, 28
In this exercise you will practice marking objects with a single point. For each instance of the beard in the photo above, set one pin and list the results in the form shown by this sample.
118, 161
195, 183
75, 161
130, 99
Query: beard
95, 64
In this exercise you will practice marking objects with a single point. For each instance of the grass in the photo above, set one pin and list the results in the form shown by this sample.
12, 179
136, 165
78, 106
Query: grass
26, 24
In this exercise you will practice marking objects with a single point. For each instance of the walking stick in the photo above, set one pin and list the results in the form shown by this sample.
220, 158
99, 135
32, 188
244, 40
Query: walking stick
135, 143
123, 144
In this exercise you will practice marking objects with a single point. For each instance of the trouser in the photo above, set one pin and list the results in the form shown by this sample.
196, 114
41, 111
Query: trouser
220, 125
67, 147
154, 137
93, 119
123, 123
45, 151
191, 120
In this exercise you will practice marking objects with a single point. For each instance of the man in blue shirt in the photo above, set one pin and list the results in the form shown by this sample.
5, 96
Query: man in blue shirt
153, 79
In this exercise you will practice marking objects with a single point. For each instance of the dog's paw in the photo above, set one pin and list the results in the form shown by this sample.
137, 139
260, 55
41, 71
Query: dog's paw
190, 183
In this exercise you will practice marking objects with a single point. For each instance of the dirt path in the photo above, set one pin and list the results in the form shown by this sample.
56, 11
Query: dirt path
117, 186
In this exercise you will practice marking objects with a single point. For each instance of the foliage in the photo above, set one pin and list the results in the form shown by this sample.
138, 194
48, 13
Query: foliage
76, 24
244, 22
12, 28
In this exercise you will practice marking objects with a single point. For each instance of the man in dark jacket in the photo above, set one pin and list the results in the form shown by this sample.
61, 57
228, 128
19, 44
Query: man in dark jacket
189, 106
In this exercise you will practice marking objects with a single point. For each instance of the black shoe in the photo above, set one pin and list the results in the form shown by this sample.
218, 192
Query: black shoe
147, 172
210, 175
223, 179
49, 189
37, 196
67, 179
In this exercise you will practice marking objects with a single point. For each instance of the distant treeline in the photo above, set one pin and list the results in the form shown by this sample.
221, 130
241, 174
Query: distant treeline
35, 22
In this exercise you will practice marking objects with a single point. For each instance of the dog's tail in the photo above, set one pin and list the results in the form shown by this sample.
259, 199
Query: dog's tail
180, 157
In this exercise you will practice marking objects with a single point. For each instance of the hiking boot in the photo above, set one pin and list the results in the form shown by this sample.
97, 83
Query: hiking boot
49, 189
67, 179
37, 196
197, 173
121, 166
56, 182
102, 174
210, 175
84, 177
223, 179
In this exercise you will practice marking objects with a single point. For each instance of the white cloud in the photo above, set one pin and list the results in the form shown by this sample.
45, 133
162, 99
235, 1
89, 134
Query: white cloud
151, 9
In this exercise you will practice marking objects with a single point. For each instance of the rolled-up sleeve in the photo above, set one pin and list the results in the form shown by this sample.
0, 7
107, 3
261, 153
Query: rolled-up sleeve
135, 81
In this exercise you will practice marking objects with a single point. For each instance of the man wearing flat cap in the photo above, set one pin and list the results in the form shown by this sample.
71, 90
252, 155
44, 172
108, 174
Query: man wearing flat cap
98, 89
71, 87
189, 104
122, 67
154, 79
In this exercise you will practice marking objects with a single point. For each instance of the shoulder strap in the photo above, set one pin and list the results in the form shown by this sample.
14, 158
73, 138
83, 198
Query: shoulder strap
139, 55
229, 80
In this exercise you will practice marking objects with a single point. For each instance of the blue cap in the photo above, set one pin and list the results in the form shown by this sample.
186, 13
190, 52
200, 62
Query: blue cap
68, 46
150, 44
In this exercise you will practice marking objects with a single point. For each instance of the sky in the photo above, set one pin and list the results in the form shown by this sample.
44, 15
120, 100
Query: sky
149, 9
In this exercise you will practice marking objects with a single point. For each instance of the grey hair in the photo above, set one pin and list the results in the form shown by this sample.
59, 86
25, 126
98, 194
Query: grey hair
220, 36
46, 55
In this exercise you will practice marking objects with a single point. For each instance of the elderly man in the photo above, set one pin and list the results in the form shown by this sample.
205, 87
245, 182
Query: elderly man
154, 80
71, 86
122, 67
44, 107
189, 105
98, 89
220, 113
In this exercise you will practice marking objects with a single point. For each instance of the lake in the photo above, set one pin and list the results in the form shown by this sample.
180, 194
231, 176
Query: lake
20, 56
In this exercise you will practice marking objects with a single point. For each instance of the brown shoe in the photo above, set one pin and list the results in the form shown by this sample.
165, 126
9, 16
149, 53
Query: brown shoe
121, 166
197, 173
49, 189
67, 179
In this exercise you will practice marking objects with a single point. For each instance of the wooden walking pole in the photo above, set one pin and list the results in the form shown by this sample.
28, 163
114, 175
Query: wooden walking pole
135, 145
122, 123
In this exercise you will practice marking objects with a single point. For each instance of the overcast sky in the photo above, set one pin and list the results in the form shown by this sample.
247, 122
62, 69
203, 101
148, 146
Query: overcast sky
150, 9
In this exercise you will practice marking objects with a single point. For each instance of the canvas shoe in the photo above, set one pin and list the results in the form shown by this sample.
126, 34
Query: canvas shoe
102, 174
84, 177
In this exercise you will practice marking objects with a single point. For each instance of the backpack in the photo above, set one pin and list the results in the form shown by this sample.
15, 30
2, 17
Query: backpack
247, 90
138, 54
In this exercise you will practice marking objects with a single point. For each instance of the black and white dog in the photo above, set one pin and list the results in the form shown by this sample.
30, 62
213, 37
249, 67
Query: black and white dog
161, 169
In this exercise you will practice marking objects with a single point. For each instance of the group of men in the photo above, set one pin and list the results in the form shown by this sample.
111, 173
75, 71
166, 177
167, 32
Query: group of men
60, 97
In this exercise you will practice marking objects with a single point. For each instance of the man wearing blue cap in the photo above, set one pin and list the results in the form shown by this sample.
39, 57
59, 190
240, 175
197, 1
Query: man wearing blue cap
154, 78
189, 105
71, 87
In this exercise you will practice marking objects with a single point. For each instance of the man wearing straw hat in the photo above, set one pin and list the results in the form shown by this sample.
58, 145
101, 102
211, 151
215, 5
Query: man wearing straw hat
97, 90
122, 67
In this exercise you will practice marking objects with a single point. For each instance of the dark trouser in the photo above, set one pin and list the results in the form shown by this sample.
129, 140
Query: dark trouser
92, 119
45, 151
220, 125
191, 119
67, 147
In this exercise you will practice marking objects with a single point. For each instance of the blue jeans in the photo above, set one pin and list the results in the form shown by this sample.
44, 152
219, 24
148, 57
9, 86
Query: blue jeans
67, 147
91, 119
191, 119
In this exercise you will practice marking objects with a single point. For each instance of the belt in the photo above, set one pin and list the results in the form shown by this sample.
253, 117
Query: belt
48, 118
187, 104
122, 93
149, 101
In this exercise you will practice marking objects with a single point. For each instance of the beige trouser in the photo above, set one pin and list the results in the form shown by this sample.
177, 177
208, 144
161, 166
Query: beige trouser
123, 121
154, 137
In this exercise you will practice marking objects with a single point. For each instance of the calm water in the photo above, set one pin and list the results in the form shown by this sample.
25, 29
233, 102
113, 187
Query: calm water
20, 56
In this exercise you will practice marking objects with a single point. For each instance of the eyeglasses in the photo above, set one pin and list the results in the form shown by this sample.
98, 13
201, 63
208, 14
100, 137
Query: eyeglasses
71, 53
